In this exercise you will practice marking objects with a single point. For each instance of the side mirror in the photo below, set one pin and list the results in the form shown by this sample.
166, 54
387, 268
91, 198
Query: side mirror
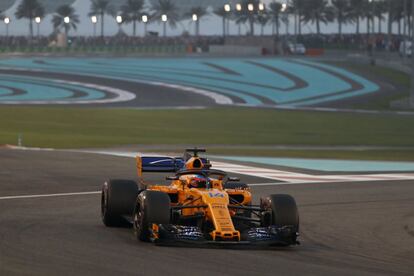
234, 179
172, 178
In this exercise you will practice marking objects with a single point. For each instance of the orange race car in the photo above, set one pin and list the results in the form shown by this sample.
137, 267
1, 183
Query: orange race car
201, 205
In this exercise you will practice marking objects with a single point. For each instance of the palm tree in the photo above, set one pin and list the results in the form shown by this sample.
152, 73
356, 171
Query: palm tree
379, 9
29, 9
357, 12
245, 15
342, 12
132, 12
58, 20
200, 12
395, 14
100, 8
317, 11
285, 19
263, 18
368, 14
409, 17
297, 9
169, 9
275, 10
221, 12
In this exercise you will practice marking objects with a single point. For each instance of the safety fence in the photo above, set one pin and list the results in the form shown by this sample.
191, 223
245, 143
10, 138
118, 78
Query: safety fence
155, 49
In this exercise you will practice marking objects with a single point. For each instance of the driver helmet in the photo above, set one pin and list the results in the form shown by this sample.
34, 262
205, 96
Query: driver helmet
198, 181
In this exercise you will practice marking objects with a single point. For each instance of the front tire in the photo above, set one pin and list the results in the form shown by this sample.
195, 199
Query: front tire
282, 210
117, 200
152, 207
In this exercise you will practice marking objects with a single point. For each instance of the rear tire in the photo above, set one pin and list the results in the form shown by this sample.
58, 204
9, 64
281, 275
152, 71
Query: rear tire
151, 207
118, 200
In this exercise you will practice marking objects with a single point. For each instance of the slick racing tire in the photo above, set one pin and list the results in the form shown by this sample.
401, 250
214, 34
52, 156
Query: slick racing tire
282, 210
235, 185
152, 207
118, 200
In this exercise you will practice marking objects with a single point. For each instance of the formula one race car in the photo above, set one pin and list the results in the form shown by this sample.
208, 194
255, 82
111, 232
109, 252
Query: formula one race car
201, 205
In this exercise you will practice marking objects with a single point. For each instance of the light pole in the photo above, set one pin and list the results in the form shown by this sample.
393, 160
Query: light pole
373, 37
7, 22
405, 31
66, 20
145, 21
119, 21
239, 9
261, 9
94, 20
164, 19
283, 10
250, 8
38, 20
226, 20
195, 20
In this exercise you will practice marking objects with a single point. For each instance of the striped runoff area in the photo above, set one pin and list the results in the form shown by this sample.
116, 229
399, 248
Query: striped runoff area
297, 178
250, 81
29, 90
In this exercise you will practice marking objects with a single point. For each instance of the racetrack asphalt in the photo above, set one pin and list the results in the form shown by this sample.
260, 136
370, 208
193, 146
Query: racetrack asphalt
346, 228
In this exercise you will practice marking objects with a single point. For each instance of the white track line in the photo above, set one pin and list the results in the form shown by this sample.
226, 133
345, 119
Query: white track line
123, 95
218, 98
120, 95
48, 195
299, 178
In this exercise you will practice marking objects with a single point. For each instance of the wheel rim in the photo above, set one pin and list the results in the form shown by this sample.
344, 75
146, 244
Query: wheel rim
104, 204
138, 222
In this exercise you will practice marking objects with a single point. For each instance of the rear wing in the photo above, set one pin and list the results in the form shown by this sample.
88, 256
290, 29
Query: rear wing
163, 164
158, 164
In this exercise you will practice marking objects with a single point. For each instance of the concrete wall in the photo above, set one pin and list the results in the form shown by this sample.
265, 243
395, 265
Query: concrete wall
234, 50
263, 42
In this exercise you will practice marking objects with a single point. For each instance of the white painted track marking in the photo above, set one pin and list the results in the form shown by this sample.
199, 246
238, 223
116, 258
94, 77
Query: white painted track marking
48, 195
292, 177
218, 98
120, 95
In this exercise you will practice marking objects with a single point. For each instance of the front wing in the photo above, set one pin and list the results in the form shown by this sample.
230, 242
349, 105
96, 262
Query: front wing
168, 234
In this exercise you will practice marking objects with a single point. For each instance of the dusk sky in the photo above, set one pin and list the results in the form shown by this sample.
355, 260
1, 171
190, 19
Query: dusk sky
209, 26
